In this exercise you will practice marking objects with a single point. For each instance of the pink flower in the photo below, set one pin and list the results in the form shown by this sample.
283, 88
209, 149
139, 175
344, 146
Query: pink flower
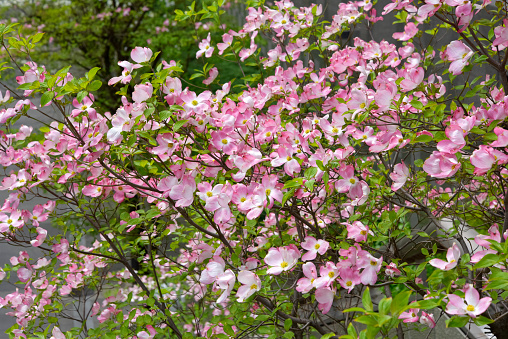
328, 273
350, 183
24, 274
501, 33
484, 158
204, 47
410, 31
145, 335
142, 92
357, 231
324, 297
211, 76
126, 76
141, 54
392, 270
314, 246
471, 305
459, 54
4, 98
399, 176
250, 284
371, 267
57, 334
441, 165
304, 285
427, 319
349, 278
281, 259
410, 316
452, 255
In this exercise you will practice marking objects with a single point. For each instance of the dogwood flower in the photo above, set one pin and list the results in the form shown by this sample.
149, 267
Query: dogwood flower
313, 247
250, 284
205, 48
471, 305
282, 259
452, 255
427, 319
410, 316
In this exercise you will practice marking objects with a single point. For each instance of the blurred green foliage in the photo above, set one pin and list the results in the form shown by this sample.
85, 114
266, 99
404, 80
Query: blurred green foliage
100, 33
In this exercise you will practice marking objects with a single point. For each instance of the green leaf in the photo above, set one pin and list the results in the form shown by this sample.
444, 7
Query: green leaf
488, 260
368, 320
328, 335
165, 115
354, 309
37, 37
287, 195
352, 331
310, 173
94, 86
456, 321
416, 104
81, 95
296, 182
481, 320
367, 301
91, 73
384, 305
477, 130
400, 302
424, 138
319, 164
287, 324
47, 97
418, 162
427, 304
178, 125
497, 285
229, 330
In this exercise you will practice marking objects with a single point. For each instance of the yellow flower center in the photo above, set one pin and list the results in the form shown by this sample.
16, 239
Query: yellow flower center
363, 232
253, 287
172, 90
83, 108
195, 102
283, 22
34, 217
9, 221
373, 263
288, 158
243, 199
268, 134
268, 191
335, 130
331, 274
470, 308
225, 141
362, 105
209, 194
349, 283
284, 264
317, 246
307, 131
201, 122
352, 181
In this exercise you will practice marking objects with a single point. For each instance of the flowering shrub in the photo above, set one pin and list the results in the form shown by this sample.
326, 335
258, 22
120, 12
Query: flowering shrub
308, 200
